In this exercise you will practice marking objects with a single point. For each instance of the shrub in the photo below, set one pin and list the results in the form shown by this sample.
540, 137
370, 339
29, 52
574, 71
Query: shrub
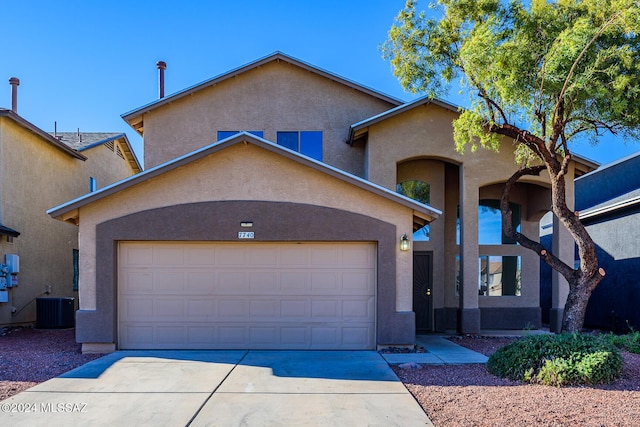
558, 360
629, 342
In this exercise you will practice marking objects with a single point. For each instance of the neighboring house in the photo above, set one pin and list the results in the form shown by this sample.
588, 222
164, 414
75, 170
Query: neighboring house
608, 200
269, 216
38, 170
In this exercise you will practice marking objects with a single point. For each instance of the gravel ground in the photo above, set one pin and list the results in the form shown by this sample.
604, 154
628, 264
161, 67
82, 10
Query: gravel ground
30, 356
467, 395
451, 395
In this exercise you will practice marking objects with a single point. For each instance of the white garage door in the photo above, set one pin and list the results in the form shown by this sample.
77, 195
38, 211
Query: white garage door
198, 295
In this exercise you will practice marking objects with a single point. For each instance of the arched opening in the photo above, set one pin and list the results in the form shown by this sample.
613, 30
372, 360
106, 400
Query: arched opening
420, 191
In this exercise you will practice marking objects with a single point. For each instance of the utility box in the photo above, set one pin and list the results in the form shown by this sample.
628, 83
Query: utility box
55, 313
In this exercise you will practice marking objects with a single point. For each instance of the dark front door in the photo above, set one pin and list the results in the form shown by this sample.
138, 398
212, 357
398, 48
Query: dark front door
422, 289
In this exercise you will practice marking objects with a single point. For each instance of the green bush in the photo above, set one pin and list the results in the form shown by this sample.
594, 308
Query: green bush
558, 360
629, 342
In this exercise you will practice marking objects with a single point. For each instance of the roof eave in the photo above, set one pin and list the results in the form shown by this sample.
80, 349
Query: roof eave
134, 117
36, 130
69, 210
425, 100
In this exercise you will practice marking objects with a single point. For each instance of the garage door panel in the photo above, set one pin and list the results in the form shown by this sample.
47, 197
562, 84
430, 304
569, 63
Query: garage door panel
231, 256
170, 309
140, 255
293, 256
200, 282
140, 281
263, 296
295, 282
168, 256
200, 256
168, 281
355, 282
294, 308
232, 282
202, 309
239, 336
233, 308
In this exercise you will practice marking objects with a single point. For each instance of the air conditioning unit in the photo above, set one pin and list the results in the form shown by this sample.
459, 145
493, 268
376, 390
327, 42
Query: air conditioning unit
55, 313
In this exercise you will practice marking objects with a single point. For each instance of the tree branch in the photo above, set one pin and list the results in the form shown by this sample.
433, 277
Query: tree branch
523, 240
582, 53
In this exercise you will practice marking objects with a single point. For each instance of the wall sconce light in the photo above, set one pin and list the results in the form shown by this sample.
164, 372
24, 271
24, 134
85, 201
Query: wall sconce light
405, 243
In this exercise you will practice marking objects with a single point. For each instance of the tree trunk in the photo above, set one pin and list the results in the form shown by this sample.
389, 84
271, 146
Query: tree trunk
582, 281
577, 300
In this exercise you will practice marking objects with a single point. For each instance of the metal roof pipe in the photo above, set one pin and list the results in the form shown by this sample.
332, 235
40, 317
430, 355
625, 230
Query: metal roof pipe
14, 82
161, 67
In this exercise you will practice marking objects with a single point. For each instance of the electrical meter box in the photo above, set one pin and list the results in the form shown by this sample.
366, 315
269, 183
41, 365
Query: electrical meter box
13, 261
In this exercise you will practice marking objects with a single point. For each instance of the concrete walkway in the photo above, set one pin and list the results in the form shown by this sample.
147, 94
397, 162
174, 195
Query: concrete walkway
439, 351
221, 388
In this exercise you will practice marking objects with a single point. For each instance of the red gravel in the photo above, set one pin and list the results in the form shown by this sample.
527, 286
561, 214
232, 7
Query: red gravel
467, 395
30, 356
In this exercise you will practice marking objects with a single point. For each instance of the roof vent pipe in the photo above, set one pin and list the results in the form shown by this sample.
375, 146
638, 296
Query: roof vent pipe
14, 82
161, 67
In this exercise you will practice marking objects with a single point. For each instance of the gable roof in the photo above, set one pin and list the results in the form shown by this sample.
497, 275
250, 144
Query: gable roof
357, 130
82, 141
360, 129
44, 135
135, 119
423, 214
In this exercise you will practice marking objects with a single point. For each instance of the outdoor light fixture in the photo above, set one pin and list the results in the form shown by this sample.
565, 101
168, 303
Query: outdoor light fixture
405, 243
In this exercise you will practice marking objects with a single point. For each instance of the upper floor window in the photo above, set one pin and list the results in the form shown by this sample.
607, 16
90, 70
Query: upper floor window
419, 191
304, 142
222, 134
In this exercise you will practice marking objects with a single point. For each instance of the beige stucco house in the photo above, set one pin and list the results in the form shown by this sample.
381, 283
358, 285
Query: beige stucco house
38, 170
283, 206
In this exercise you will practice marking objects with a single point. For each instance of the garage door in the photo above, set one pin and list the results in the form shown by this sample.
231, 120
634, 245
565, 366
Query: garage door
198, 295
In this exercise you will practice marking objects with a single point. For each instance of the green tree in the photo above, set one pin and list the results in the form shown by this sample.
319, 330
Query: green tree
541, 73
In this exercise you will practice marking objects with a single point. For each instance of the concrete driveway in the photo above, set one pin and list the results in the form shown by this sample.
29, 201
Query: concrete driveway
221, 388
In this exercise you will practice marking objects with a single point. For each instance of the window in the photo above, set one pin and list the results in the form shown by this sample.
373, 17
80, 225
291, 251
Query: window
223, 134
419, 191
497, 275
76, 254
308, 143
490, 223
93, 184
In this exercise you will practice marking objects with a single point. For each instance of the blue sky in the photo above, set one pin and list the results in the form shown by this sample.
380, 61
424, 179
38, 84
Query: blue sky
83, 63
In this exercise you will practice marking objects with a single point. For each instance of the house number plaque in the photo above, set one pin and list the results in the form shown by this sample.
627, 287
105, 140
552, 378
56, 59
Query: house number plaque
246, 234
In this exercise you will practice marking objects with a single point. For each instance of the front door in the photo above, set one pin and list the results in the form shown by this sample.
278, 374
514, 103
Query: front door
422, 289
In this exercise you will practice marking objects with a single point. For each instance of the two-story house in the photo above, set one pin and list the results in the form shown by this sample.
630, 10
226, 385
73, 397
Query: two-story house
283, 206
38, 170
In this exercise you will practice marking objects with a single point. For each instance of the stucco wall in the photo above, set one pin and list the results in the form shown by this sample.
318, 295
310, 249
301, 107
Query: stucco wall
277, 96
105, 166
35, 176
241, 172
614, 303
418, 144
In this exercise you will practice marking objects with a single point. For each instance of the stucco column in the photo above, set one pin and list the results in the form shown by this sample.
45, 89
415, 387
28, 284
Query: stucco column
564, 248
468, 311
